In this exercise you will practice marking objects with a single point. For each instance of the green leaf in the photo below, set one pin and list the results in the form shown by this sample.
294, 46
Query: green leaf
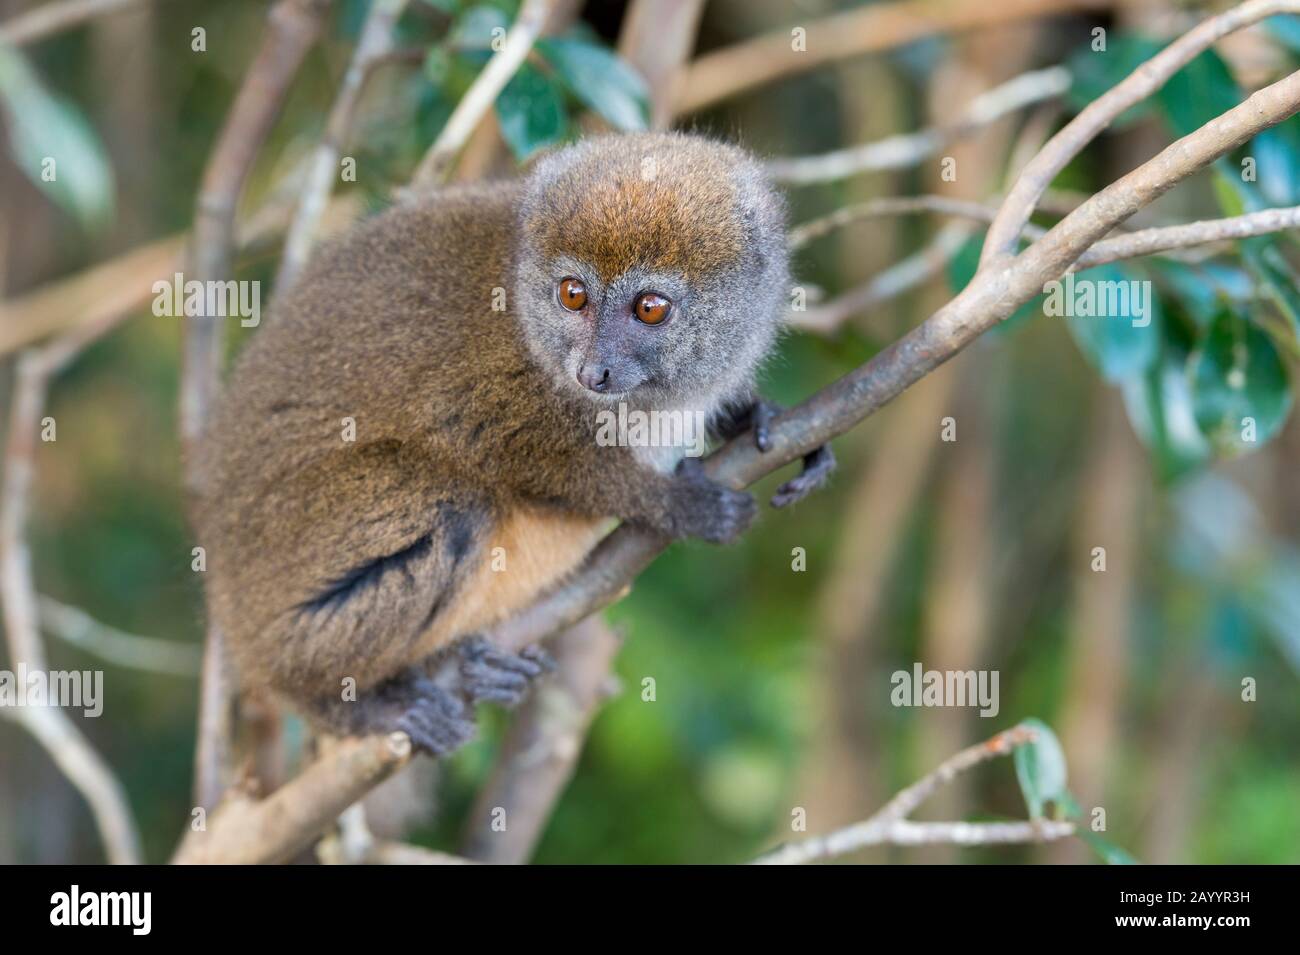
1114, 317
1109, 853
531, 112
478, 28
437, 65
1040, 768
448, 7
1277, 163
1159, 406
1286, 29
1096, 71
600, 80
1232, 193
1237, 374
45, 127
1199, 92
1277, 277
1202, 289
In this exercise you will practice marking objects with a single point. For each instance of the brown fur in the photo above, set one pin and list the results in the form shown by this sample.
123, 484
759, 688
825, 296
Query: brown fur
330, 559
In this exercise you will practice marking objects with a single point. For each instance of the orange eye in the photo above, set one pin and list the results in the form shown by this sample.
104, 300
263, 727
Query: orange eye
651, 308
573, 294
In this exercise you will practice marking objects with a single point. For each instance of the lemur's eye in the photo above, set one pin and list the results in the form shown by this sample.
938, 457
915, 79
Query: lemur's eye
651, 308
573, 294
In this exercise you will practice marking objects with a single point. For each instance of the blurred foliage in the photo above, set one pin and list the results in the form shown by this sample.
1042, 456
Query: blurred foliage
709, 770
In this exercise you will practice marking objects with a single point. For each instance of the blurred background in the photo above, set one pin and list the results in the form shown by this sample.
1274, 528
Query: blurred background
773, 683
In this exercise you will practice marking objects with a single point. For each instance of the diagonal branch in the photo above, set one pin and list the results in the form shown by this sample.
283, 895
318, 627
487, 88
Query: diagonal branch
1099, 114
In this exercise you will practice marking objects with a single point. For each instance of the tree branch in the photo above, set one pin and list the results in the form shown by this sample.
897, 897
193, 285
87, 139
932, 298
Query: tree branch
992, 295
375, 43
51, 726
891, 825
75, 626
293, 26
1167, 238
1100, 113
244, 830
541, 749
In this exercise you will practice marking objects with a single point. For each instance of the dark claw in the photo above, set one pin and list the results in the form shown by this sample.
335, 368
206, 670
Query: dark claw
817, 468
756, 417
537, 653
762, 415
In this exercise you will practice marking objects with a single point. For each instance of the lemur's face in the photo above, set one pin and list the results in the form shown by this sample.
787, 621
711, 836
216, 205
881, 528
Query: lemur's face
653, 274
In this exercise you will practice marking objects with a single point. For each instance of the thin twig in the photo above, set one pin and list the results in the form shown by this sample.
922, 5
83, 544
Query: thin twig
1101, 112
890, 824
905, 205
51, 18
911, 149
1167, 238
503, 65
900, 278
541, 750
51, 726
73, 625
375, 43
870, 28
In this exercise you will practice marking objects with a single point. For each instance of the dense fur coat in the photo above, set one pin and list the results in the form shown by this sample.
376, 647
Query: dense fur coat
435, 328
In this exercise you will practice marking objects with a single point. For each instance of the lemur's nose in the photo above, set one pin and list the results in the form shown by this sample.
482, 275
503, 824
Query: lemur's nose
594, 377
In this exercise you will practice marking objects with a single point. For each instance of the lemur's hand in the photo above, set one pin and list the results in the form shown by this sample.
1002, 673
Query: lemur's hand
757, 416
703, 508
817, 467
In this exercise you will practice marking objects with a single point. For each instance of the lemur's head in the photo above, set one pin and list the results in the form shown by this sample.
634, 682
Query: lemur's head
652, 268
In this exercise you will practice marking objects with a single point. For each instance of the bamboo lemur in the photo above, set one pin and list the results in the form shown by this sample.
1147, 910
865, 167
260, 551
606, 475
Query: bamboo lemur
470, 340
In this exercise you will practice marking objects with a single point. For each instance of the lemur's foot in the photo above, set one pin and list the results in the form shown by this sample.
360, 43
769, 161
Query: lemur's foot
437, 720
491, 675
817, 467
